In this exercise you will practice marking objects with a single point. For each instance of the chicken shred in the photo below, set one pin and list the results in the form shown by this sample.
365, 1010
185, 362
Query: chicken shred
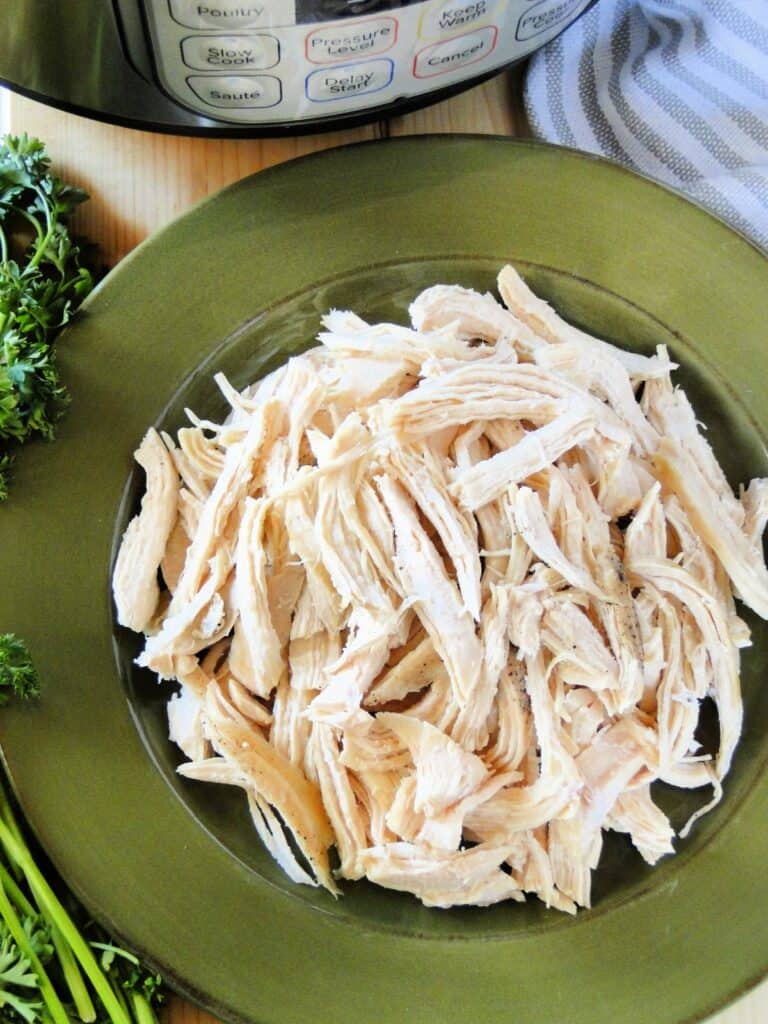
449, 598
134, 581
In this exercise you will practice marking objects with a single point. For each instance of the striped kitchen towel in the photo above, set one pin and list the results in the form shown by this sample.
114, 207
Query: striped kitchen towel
677, 89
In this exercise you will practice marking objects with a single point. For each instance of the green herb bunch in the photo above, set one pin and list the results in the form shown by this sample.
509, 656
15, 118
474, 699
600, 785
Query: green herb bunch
57, 966
41, 285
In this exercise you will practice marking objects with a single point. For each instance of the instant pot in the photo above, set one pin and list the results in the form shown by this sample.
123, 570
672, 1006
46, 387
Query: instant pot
261, 67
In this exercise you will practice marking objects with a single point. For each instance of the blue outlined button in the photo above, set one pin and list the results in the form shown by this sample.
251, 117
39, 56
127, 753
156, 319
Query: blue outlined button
345, 81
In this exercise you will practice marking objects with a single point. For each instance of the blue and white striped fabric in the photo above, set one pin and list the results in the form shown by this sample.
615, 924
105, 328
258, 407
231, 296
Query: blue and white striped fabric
677, 89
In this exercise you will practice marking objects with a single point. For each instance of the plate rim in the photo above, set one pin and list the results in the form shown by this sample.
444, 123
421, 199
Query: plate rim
246, 183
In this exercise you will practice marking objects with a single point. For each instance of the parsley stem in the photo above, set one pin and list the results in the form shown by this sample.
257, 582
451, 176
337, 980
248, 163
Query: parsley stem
53, 1003
73, 978
15, 894
142, 1010
41, 246
7, 815
39, 233
120, 996
109, 947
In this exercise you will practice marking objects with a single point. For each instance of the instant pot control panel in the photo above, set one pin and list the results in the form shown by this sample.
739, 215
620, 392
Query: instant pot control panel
291, 60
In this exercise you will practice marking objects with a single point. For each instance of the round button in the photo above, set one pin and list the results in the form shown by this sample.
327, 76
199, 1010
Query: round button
224, 14
230, 53
456, 53
236, 91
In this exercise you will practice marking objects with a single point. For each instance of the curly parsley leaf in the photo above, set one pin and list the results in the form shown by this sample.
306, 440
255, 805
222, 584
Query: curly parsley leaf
17, 673
19, 986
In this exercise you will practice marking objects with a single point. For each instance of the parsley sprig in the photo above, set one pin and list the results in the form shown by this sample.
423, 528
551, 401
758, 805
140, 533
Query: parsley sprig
57, 966
41, 285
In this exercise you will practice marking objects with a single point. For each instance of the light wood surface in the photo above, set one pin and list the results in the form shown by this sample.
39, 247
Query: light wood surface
139, 181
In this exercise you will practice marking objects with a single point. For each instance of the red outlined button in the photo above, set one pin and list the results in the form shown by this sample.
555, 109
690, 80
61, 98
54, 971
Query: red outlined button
344, 42
456, 53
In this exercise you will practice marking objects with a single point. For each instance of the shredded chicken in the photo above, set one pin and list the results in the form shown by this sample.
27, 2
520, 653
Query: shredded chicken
134, 581
448, 598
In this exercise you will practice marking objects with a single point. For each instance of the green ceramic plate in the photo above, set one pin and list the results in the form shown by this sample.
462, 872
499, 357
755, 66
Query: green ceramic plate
237, 284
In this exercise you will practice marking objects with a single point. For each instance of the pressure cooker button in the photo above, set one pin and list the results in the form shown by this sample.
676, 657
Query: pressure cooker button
455, 53
236, 90
342, 42
348, 80
451, 16
544, 16
223, 14
230, 53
